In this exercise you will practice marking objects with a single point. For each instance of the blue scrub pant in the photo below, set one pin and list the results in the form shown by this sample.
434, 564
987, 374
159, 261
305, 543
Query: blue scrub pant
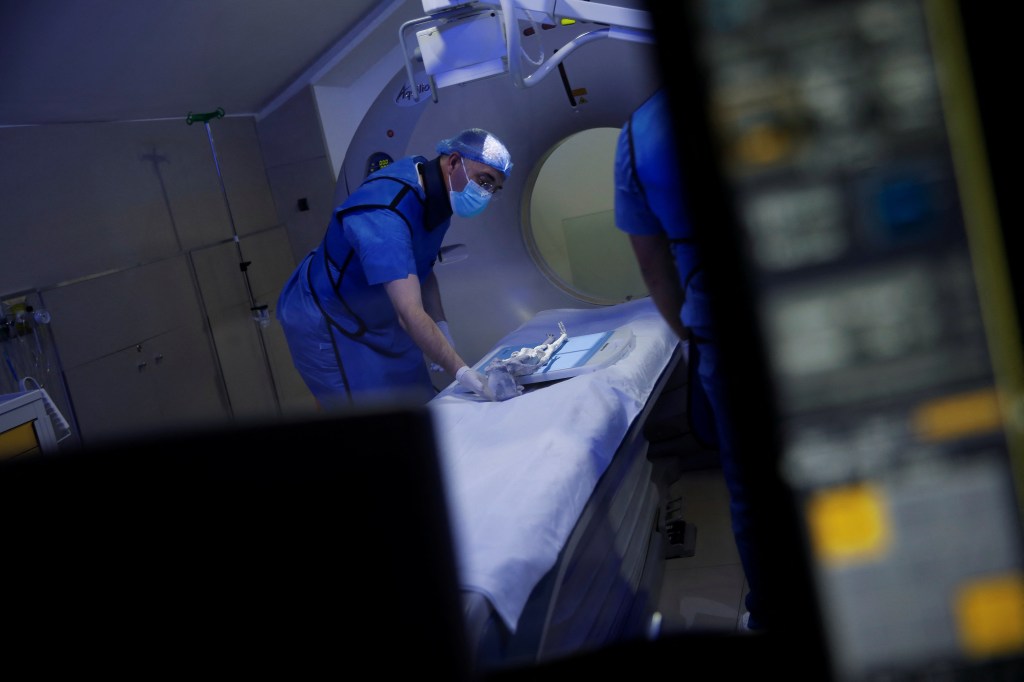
713, 425
341, 372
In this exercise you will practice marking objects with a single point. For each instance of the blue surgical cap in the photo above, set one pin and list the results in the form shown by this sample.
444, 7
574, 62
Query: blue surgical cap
479, 145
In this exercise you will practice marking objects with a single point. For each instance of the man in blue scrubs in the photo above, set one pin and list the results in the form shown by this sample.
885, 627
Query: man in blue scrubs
650, 208
362, 310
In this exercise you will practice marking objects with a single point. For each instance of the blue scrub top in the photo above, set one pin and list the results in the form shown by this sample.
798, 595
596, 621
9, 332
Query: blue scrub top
649, 197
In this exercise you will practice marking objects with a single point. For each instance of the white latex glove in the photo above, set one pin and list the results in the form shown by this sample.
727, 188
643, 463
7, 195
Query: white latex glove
443, 326
474, 381
501, 383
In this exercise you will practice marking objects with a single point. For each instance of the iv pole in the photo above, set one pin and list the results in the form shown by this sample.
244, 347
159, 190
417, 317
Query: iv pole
260, 313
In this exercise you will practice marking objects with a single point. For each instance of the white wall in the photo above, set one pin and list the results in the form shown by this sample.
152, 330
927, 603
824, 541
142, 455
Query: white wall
342, 108
123, 232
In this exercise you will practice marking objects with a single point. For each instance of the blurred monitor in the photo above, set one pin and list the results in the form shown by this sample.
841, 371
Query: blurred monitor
846, 165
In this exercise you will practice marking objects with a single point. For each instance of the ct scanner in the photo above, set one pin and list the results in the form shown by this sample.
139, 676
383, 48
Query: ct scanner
504, 278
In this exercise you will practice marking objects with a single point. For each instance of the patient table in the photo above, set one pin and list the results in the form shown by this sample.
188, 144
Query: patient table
554, 503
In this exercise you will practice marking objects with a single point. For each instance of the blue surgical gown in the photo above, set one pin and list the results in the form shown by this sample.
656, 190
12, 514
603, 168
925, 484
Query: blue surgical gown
341, 328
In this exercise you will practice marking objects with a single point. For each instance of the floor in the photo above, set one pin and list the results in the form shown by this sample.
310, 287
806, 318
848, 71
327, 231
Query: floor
703, 592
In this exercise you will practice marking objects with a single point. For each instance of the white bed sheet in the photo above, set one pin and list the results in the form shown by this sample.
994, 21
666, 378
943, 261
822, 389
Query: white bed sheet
519, 473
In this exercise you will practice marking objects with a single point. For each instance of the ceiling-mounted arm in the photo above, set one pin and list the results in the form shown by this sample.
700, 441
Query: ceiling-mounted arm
632, 17
483, 42
456, 10
408, 60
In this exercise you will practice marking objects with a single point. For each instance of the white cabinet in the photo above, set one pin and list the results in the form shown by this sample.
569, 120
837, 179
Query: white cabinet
137, 356
165, 383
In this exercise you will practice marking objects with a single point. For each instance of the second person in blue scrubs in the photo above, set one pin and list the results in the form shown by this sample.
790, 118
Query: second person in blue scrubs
651, 209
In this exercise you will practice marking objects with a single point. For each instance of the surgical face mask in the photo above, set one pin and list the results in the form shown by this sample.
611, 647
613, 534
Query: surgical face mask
471, 200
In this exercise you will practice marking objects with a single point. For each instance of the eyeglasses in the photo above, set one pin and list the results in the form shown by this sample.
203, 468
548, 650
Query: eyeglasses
485, 180
488, 186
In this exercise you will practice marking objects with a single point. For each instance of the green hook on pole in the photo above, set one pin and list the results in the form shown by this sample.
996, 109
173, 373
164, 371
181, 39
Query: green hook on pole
203, 118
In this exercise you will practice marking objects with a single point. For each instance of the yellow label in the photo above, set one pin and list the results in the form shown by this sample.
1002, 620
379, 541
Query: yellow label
848, 524
990, 615
957, 416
